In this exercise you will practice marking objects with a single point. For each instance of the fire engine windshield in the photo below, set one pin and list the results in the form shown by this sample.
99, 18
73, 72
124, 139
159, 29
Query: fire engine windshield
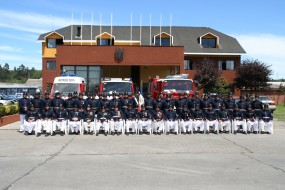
119, 87
178, 85
65, 88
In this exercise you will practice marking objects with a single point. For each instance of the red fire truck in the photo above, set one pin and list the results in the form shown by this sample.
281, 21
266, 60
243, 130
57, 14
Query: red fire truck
173, 84
118, 85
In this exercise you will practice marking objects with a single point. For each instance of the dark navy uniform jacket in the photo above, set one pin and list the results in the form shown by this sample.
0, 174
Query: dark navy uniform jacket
103, 116
250, 115
211, 114
157, 115
266, 115
238, 115
130, 114
24, 104
117, 115
125, 102
75, 114
38, 104
61, 114
185, 115
32, 115
115, 102
224, 115
171, 115
144, 115
47, 114
198, 114
46, 101
149, 103
55, 102
88, 115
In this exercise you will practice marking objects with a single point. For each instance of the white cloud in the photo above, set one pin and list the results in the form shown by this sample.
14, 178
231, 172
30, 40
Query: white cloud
9, 48
267, 48
16, 60
32, 22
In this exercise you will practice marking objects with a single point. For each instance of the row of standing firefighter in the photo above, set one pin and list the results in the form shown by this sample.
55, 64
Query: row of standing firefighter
185, 114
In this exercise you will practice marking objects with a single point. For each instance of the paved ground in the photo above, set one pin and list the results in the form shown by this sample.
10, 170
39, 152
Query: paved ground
142, 162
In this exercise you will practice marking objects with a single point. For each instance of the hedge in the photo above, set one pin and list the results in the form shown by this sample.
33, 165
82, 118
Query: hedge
9, 110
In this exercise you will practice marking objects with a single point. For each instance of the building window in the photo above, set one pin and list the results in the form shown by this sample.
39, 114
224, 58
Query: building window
51, 65
209, 42
188, 65
105, 42
163, 42
52, 43
226, 65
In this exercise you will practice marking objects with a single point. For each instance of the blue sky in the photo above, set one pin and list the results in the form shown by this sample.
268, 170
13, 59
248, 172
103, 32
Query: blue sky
257, 24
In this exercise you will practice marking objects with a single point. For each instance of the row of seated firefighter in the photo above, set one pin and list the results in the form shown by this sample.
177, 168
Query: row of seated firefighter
156, 121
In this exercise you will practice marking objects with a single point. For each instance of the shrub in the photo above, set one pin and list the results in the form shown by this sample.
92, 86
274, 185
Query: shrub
9, 110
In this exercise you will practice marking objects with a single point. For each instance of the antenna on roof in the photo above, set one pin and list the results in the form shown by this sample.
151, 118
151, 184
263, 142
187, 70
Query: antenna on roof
111, 37
150, 29
91, 28
71, 30
160, 29
141, 29
131, 27
170, 32
100, 27
81, 27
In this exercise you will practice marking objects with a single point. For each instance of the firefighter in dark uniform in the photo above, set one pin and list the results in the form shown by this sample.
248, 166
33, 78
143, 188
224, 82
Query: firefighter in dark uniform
115, 102
105, 102
217, 102
149, 102
159, 103
230, 103
74, 120
195, 101
95, 103
46, 99
242, 104
266, 119
102, 121
224, 119
198, 120
171, 120
23, 106
125, 101
46, 121
131, 116
31, 119
251, 120
56, 101
211, 119
61, 115
37, 102
239, 119
168, 102
257, 106
116, 117
158, 120
205, 102
80, 102
144, 119
69, 103
88, 120
248, 100
180, 103
186, 119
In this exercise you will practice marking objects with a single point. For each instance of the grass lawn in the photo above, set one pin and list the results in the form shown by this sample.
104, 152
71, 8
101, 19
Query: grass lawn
279, 113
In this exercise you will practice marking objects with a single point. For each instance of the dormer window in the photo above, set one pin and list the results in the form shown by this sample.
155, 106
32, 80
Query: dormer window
52, 43
209, 40
105, 39
163, 39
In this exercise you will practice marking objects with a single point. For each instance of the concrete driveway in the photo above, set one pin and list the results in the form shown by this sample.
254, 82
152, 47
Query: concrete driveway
224, 161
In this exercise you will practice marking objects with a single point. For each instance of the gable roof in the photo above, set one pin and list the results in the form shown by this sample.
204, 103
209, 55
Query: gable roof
182, 36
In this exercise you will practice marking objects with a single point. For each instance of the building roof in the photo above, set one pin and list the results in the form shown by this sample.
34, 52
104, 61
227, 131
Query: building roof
182, 36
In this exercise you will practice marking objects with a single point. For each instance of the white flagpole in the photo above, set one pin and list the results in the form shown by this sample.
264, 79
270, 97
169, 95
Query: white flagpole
150, 29
160, 29
131, 27
141, 29
91, 28
71, 32
81, 27
170, 29
100, 27
111, 29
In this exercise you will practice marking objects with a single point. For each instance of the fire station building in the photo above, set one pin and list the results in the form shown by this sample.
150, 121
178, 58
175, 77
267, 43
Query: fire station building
94, 52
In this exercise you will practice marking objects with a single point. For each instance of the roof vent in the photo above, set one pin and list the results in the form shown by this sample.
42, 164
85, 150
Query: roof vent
78, 34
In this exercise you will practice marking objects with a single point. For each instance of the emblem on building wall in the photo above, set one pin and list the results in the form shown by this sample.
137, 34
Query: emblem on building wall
119, 55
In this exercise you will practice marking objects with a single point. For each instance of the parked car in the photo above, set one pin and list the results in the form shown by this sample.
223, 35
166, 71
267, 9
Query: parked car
4, 100
267, 100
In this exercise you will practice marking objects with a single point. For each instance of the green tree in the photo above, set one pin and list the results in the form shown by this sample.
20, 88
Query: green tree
253, 75
222, 86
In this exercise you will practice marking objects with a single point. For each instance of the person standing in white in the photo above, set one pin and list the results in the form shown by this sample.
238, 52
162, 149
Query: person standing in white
23, 105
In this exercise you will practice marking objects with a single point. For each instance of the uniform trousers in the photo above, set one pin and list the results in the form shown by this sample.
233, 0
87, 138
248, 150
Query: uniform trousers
236, 123
158, 125
22, 120
185, 124
170, 125
213, 123
146, 123
226, 124
61, 125
252, 124
116, 125
102, 125
132, 124
198, 123
29, 126
269, 125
